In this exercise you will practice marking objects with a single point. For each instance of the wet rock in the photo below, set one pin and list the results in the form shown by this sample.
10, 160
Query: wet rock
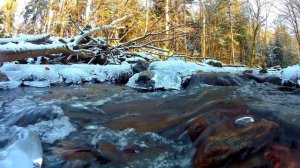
290, 84
248, 76
274, 80
247, 72
215, 64
216, 79
216, 121
263, 71
282, 156
79, 154
3, 77
236, 144
145, 79
287, 89
109, 151
75, 154
123, 78
140, 66
23, 61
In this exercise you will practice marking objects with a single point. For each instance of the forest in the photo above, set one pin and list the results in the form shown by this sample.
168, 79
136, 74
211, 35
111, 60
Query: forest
234, 32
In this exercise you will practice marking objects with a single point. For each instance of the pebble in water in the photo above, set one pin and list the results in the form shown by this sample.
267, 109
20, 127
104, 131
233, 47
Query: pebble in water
244, 121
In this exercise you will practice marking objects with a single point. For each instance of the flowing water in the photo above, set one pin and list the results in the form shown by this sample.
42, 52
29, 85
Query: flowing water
110, 125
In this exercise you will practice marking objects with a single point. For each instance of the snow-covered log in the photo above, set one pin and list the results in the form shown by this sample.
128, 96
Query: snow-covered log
35, 39
11, 52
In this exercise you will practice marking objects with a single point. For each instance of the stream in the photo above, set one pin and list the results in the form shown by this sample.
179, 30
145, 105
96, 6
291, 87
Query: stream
107, 125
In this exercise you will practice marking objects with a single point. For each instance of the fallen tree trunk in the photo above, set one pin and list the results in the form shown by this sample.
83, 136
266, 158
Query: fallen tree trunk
13, 52
35, 39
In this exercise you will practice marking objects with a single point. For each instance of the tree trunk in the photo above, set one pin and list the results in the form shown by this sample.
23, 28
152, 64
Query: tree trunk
88, 11
147, 17
167, 8
203, 31
50, 17
8, 54
231, 33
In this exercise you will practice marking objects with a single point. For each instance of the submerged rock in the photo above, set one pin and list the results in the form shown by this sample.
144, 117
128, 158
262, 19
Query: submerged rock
206, 124
260, 79
282, 156
274, 80
236, 144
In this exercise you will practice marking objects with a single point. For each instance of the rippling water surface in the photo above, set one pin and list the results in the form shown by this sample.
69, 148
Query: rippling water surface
114, 126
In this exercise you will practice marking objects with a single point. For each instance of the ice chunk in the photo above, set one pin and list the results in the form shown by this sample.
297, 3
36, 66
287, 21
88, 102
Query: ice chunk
168, 80
9, 84
20, 148
39, 84
244, 121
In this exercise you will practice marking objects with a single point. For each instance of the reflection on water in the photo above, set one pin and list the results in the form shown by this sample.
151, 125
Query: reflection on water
115, 126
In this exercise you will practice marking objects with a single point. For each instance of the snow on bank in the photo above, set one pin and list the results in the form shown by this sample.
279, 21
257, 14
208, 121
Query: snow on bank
45, 75
187, 68
291, 74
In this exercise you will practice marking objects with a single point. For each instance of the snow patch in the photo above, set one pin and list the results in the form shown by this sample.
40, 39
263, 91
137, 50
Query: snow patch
291, 74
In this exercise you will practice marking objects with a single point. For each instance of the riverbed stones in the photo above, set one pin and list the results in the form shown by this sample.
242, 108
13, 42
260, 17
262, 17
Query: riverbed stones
219, 120
237, 144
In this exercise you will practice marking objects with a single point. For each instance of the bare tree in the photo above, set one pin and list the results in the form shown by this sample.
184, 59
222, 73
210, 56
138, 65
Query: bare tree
257, 18
292, 15
202, 32
231, 31
167, 8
